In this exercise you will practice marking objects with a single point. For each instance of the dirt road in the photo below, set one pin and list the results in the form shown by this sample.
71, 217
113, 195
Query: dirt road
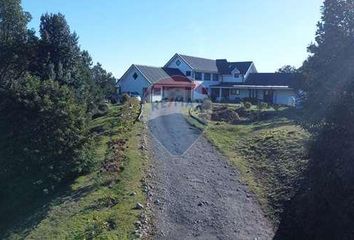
196, 194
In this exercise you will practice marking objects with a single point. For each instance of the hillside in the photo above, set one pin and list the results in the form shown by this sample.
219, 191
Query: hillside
96, 205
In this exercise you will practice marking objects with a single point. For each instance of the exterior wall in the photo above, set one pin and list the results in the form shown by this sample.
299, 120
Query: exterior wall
243, 94
284, 97
183, 67
231, 78
128, 84
176, 92
156, 97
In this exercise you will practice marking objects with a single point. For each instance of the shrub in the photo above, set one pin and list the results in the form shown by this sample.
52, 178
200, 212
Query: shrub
262, 105
101, 110
276, 107
207, 104
51, 130
247, 105
125, 98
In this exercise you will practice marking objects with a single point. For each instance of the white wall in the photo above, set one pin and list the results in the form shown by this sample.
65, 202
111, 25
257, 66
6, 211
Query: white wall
156, 97
183, 67
128, 84
284, 97
231, 78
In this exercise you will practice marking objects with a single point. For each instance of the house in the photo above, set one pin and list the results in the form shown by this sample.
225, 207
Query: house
187, 78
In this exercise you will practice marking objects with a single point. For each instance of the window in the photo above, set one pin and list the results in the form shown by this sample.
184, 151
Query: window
198, 76
135, 75
215, 77
235, 92
236, 75
157, 91
188, 73
178, 62
207, 76
204, 91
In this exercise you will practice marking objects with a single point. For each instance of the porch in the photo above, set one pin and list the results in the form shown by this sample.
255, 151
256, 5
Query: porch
236, 93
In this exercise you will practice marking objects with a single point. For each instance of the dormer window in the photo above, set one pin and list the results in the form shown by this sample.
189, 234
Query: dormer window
236, 75
178, 62
188, 73
135, 76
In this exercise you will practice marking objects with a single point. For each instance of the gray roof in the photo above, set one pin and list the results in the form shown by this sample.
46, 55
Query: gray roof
242, 66
155, 74
266, 80
201, 64
221, 66
272, 79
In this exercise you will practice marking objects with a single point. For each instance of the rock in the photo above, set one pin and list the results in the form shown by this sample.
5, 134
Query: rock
139, 206
137, 224
132, 194
157, 202
138, 235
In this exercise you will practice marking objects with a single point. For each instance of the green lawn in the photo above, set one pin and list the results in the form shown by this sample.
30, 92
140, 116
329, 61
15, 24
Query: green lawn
269, 154
98, 205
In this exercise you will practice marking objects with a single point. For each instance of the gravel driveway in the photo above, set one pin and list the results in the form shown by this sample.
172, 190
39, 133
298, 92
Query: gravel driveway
196, 194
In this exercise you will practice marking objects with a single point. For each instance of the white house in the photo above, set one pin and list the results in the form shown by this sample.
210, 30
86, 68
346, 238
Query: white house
187, 78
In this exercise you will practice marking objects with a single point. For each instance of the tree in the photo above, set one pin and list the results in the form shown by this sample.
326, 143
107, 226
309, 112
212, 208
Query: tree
287, 69
16, 41
59, 52
106, 81
323, 209
49, 138
60, 59
329, 67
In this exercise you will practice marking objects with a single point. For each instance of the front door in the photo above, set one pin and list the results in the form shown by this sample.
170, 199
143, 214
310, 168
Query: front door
268, 96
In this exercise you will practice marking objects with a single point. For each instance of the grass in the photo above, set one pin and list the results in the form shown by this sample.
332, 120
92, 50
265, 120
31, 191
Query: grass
98, 205
270, 155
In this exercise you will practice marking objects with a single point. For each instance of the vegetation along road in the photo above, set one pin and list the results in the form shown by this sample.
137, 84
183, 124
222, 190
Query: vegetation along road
195, 192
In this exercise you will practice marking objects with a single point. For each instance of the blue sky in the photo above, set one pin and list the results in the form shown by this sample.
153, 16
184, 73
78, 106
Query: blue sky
271, 33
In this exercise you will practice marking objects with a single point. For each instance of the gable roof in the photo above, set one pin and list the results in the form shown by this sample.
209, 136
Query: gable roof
221, 66
242, 66
200, 64
156, 74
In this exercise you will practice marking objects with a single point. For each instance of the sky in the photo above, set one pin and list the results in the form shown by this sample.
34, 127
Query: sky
118, 33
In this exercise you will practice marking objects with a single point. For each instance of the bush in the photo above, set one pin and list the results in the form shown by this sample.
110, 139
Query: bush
262, 105
102, 110
125, 98
207, 104
247, 105
276, 107
50, 134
